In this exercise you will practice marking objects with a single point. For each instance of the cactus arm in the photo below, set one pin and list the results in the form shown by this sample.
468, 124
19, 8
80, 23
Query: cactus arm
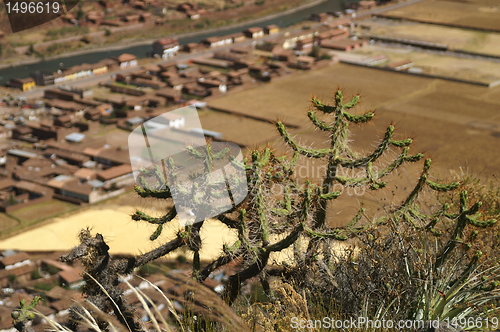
381, 148
330, 196
402, 143
443, 187
419, 186
234, 283
318, 104
313, 153
287, 203
153, 193
359, 118
318, 123
356, 218
221, 261
335, 234
139, 215
159, 252
287, 241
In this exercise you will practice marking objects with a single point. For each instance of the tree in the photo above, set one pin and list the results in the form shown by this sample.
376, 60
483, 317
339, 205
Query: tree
278, 203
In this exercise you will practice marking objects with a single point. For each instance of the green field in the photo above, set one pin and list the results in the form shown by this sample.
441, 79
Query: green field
26, 217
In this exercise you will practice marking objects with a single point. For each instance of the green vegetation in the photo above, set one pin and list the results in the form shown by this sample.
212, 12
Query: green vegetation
29, 216
66, 31
43, 286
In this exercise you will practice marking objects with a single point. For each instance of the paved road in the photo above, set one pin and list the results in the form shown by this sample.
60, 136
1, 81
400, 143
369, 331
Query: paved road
94, 80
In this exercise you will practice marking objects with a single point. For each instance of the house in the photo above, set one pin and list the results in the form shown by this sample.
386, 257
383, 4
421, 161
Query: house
187, 6
126, 61
86, 174
217, 41
170, 94
400, 65
65, 105
132, 19
213, 84
193, 47
111, 63
238, 77
104, 109
16, 264
152, 69
148, 83
140, 5
108, 156
166, 47
92, 114
335, 34
21, 131
304, 62
255, 32
114, 172
75, 137
193, 14
281, 54
271, 29
17, 259
290, 39
377, 60
134, 122
23, 84
63, 121
75, 190
71, 277
321, 17
144, 17
344, 44
33, 192
237, 37
177, 83
213, 62
94, 17
71, 157
42, 77
58, 94
305, 44
99, 68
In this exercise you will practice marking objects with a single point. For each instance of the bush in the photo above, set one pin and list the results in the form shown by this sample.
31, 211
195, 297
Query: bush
35, 274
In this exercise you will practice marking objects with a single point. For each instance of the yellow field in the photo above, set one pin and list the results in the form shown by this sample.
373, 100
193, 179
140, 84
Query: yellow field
440, 65
454, 38
478, 14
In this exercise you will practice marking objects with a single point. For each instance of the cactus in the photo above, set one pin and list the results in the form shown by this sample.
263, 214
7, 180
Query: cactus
24, 314
300, 212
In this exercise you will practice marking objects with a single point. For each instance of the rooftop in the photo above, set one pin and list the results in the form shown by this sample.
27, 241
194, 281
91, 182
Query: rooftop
75, 137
